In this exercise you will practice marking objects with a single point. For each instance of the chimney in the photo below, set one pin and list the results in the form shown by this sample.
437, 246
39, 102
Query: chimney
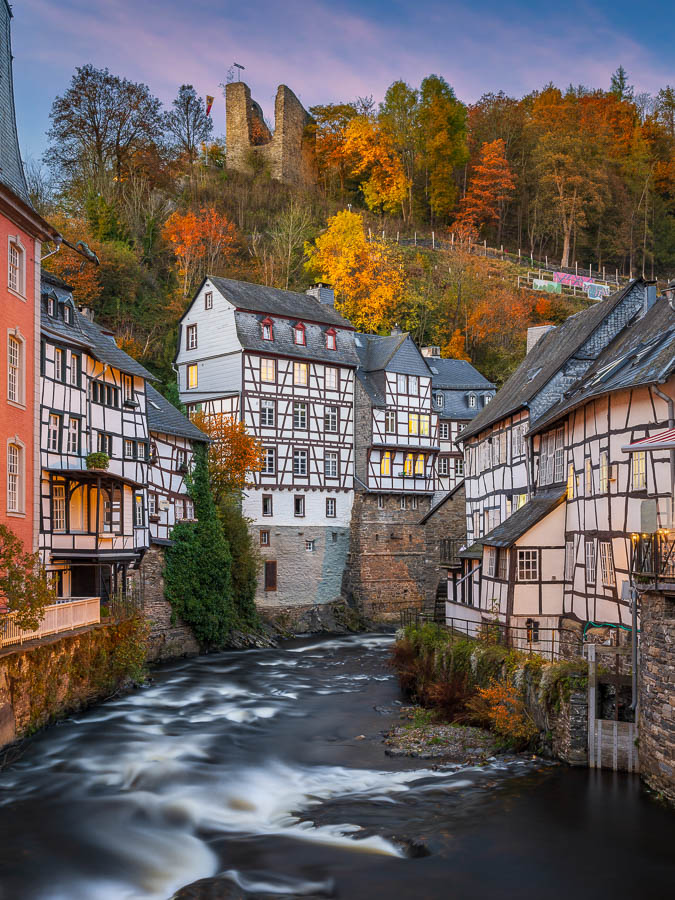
324, 293
87, 312
535, 333
669, 292
650, 296
432, 352
395, 330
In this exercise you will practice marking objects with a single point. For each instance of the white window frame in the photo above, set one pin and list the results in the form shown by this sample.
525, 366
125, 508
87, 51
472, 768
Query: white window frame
528, 565
59, 363
444, 431
491, 561
331, 507
332, 378
73, 443
459, 467
54, 433
443, 465
268, 413
331, 464
269, 454
300, 415
300, 462
638, 467
191, 337
569, 561
59, 507
268, 371
390, 418
15, 476
413, 384
139, 510
331, 419
75, 369
16, 285
402, 384
591, 561
299, 505
16, 369
299, 335
607, 564
300, 374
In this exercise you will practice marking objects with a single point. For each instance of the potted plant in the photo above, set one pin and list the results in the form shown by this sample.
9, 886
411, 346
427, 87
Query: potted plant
98, 462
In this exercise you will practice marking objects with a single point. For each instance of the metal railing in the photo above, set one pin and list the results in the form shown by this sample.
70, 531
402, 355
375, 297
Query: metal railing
66, 615
653, 558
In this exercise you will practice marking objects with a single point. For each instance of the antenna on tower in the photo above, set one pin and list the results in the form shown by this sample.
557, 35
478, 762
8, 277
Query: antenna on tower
239, 69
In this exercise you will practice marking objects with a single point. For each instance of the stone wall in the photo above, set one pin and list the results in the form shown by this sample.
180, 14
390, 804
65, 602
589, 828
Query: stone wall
446, 521
169, 636
288, 154
657, 693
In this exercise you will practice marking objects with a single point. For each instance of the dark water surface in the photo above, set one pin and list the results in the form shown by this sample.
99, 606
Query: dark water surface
247, 768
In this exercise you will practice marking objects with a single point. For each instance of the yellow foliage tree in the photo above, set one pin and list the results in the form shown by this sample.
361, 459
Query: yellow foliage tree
374, 155
233, 454
367, 276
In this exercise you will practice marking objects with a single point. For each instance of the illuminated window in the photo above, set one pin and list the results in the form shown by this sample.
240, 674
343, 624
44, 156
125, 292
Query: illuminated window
424, 425
413, 423
59, 507
408, 467
192, 376
267, 370
419, 464
300, 374
588, 477
639, 470
139, 511
604, 472
570, 481
385, 463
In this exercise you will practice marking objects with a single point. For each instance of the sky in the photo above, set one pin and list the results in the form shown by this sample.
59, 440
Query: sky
332, 50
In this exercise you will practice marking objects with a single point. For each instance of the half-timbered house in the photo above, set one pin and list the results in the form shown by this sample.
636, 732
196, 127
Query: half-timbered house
284, 364
94, 522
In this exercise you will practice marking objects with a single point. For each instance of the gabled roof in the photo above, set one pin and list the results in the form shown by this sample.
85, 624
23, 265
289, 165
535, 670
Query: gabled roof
275, 302
164, 418
438, 501
84, 333
249, 332
643, 353
517, 524
546, 358
395, 353
456, 374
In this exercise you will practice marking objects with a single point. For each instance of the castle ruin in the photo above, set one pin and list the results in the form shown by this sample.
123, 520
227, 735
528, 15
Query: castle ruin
288, 153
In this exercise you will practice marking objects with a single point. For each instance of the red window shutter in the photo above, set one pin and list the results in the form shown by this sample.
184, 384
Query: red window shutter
271, 575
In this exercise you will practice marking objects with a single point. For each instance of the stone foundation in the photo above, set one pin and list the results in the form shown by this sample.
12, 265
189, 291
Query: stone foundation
169, 636
657, 693
331, 618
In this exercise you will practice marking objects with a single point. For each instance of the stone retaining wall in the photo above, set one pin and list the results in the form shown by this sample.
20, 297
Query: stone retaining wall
169, 637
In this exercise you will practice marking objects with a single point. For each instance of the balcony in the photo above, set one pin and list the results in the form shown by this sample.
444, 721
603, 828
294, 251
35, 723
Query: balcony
66, 615
653, 558
449, 551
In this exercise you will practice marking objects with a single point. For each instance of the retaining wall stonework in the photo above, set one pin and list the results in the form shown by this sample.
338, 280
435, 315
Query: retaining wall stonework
169, 637
657, 693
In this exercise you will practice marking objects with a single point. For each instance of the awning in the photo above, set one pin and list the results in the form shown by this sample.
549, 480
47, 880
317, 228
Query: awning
93, 475
664, 440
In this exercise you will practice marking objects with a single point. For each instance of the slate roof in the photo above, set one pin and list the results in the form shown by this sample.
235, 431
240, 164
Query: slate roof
542, 362
85, 333
274, 302
644, 353
164, 418
249, 332
395, 353
457, 374
519, 522
11, 168
475, 551
438, 499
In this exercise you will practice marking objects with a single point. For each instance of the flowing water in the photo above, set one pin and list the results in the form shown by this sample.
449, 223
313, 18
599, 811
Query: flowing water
250, 769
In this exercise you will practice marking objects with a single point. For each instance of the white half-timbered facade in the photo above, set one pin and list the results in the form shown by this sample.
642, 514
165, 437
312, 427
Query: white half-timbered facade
284, 364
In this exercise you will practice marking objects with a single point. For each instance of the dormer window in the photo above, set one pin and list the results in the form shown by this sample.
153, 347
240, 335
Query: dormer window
486, 399
299, 334
439, 399
331, 339
51, 306
67, 315
267, 330
472, 401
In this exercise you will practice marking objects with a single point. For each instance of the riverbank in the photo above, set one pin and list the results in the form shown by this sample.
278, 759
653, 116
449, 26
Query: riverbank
420, 735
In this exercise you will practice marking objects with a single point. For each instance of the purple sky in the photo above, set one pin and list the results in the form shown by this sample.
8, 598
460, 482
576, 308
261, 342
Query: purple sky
327, 51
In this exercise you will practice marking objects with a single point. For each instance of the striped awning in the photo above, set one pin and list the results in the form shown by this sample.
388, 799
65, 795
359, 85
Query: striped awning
664, 440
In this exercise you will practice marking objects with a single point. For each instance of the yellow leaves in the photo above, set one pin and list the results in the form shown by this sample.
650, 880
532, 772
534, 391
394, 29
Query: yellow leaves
374, 154
233, 453
367, 276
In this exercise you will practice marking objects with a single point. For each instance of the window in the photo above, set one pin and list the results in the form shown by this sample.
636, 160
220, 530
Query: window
104, 443
380, 501
528, 565
402, 503
51, 306
639, 470
419, 464
15, 267
179, 506
385, 463
300, 462
443, 465
588, 477
390, 421
14, 379
519, 500
73, 435
330, 464
139, 511
438, 399
607, 564
59, 507
552, 457
191, 333
559, 456
270, 575
331, 379
189, 508
208, 300
299, 334
75, 370
413, 504
309, 546
604, 472
409, 464
264, 538
14, 475
459, 466
590, 561
486, 399
444, 431
128, 395
267, 504
413, 423
570, 481
424, 425
152, 504
112, 511
267, 370
503, 447
532, 631
517, 441
128, 448
503, 564
476, 524
67, 314
300, 415
300, 374
330, 419
569, 561
299, 505
267, 330
331, 507
472, 401
267, 413
54, 432
269, 464
105, 394
181, 460
331, 339
192, 376
58, 364
491, 553
402, 384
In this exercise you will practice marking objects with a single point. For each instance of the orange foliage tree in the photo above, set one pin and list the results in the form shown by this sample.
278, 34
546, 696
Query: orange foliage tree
367, 276
492, 184
202, 242
233, 454
502, 706
82, 276
374, 155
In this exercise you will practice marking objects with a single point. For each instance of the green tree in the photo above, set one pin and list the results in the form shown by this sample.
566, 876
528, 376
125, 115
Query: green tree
245, 561
198, 571
398, 119
187, 122
25, 588
619, 85
442, 123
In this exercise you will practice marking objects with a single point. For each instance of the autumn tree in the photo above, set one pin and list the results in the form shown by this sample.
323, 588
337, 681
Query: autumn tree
491, 185
385, 185
187, 122
398, 118
25, 588
442, 124
233, 454
203, 242
330, 128
367, 276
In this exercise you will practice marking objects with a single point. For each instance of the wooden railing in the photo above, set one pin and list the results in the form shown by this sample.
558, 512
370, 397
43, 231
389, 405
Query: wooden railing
653, 558
75, 612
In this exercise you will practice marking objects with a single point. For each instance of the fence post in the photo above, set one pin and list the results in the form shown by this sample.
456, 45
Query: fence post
518, 254
452, 238
603, 274
617, 276
415, 238
370, 235
433, 240
576, 267
546, 261
397, 237
383, 234
590, 270
485, 247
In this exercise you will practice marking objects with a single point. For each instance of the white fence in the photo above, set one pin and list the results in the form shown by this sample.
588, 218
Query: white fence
65, 616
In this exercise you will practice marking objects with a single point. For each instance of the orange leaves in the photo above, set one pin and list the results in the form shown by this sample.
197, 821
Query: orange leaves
501, 706
373, 153
367, 276
233, 453
492, 184
82, 276
202, 242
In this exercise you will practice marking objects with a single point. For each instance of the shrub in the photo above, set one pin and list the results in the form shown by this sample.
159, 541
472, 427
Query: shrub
500, 707
97, 460
246, 561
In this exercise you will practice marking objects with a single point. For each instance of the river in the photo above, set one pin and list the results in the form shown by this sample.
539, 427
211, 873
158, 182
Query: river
264, 771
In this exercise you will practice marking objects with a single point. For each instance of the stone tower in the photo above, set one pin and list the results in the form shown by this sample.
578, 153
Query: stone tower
11, 168
288, 154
